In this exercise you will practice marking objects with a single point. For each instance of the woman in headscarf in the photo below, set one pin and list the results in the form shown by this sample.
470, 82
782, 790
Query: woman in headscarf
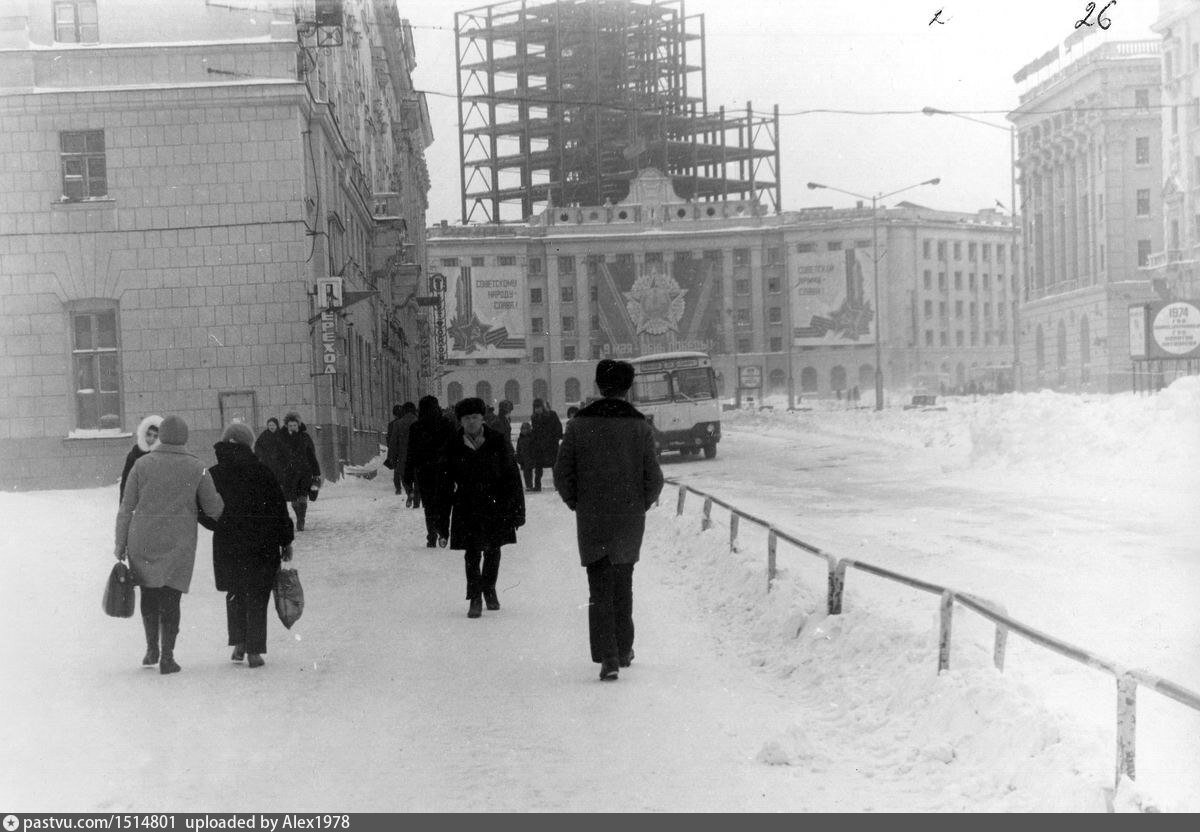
147, 438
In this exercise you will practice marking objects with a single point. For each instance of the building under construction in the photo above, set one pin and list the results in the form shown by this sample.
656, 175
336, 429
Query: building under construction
565, 102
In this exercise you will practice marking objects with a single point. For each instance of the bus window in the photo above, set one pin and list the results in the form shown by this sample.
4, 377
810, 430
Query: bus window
651, 387
694, 384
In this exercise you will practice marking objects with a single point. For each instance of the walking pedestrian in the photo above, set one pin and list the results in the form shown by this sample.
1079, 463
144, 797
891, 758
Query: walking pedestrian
156, 531
485, 502
146, 436
397, 445
501, 420
300, 467
427, 438
269, 449
525, 454
607, 473
252, 536
547, 431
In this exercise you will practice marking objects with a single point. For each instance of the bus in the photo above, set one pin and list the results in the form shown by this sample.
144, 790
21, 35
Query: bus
677, 392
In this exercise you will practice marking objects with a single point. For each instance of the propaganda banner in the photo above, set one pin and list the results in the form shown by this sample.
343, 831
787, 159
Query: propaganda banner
485, 311
831, 298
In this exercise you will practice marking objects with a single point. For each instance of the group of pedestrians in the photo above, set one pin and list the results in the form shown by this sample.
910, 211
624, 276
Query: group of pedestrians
166, 492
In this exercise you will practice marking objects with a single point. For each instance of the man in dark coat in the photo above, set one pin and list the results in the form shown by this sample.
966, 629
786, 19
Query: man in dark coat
397, 445
607, 473
253, 535
547, 431
485, 500
427, 438
147, 438
300, 467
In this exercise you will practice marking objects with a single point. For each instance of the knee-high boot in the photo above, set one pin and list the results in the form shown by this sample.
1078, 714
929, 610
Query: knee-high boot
170, 629
150, 624
301, 509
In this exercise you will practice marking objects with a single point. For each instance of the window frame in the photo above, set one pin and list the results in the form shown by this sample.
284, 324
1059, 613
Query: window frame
76, 24
93, 354
86, 157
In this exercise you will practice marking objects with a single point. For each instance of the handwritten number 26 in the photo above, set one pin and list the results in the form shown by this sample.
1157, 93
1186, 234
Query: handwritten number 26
1101, 19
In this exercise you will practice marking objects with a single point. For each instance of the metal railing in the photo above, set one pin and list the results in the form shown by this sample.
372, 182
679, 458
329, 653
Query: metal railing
1127, 679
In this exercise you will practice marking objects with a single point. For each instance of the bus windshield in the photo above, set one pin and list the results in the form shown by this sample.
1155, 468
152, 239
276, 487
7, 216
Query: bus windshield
693, 384
651, 387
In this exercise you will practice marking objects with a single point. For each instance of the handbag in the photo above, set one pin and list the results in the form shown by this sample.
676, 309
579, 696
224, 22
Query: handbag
314, 488
289, 597
119, 594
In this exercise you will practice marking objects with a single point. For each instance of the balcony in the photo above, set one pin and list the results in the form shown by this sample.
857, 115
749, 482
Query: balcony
1162, 258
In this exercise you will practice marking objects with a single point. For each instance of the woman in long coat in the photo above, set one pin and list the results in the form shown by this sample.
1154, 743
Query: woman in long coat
252, 536
156, 530
269, 451
547, 431
300, 466
485, 500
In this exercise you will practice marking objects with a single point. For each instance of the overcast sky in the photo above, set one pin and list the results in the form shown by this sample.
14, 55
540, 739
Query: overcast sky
820, 54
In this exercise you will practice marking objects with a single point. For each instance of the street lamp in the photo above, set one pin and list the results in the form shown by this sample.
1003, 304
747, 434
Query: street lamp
1012, 207
812, 186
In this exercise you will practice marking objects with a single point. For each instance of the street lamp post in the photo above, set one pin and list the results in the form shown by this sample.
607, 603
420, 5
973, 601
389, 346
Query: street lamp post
812, 186
1014, 256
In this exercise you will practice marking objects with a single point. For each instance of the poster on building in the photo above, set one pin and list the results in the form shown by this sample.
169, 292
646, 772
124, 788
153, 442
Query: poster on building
831, 298
1175, 330
660, 306
485, 312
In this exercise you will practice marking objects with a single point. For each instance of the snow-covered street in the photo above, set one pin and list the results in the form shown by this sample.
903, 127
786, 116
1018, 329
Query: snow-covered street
1077, 515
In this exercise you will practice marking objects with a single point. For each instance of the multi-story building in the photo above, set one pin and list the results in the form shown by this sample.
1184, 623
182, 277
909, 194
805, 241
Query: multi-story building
529, 307
176, 181
1090, 157
1174, 267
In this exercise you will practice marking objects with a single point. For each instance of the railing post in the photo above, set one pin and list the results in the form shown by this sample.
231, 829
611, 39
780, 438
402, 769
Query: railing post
733, 531
947, 610
706, 520
682, 497
772, 542
1126, 728
837, 585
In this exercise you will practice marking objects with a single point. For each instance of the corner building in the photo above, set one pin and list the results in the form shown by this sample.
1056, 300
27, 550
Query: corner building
175, 179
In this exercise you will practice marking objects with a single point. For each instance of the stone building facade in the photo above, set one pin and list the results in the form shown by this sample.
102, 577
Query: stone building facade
175, 179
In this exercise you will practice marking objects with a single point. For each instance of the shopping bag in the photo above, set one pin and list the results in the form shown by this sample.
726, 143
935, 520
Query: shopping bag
289, 596
314, 489
119, 593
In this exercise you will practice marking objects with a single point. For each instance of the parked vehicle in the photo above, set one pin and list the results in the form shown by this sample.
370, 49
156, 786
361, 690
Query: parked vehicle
677, 391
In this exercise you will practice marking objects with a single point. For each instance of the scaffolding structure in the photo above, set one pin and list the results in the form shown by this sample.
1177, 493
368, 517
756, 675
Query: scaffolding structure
564, 102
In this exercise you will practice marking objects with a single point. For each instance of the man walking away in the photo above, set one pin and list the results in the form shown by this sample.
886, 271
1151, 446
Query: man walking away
427, 439
607, 473
397, 445
547, 431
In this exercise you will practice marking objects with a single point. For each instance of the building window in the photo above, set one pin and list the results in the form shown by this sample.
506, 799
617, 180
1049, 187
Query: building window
95, 356
941, 249
535, 296
568, 323
926, 249
834, 245
566, 294
958, 280
774, 315
476, 261
84, 172
566, 265
1143, 202
942, 339
958, 338
1142, 150
537, 325
741, 257
568, 352
773, 285
941, 308
773, 256
986, 283
862, 243
76, 21
999, 253
594, 323
971, 281
986, 251
928, 279
942, 281
957, 250
929, 337
535, 265
449, 261
743, 344
776, 344
958, 309
506, 260
742, 286
805, 248
1141, 99
654, 258
971, 251
539, 355
928, 309
1143, 252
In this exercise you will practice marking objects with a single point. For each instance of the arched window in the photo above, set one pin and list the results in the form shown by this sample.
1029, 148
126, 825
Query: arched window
453, 392
512, 391
777, 382
572, 390
484, 391
540, 389
866, 376
837, 378
808, 380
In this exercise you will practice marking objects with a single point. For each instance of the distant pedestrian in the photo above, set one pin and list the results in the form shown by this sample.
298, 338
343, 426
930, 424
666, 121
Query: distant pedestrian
485, 502
397, 445
608, 474
147, 437
300, 467
547, 431
503, 421
572, 412
525, 454
427, 438
269, 449
252, 536
156, 531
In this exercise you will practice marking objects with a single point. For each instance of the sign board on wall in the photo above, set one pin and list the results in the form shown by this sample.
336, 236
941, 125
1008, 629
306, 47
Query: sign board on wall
1167, 329
831, 294
750, 377
329, 292
486, 310
329, 355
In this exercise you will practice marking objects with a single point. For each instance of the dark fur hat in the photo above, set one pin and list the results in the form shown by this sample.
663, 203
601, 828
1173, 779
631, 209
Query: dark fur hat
614, 376
468, 406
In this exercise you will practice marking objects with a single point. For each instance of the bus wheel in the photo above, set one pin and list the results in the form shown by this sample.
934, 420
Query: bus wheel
710, 451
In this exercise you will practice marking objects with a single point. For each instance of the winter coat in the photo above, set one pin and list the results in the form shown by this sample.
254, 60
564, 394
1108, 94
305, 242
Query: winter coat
139, 450
397, 440
525, 450
269, 450
427, 438
482, 490
547, 431
156, 524
300, 466
254, 525
502, 424
608, 474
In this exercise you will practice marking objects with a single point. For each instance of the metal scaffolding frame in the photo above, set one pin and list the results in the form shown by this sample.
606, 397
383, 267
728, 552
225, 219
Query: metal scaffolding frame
565, 102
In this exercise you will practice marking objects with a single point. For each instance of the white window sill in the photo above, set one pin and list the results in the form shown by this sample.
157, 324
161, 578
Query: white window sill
99, 433
83, 204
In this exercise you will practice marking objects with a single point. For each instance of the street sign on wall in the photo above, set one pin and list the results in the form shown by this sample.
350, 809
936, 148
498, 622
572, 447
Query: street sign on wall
1166, 329
750, 377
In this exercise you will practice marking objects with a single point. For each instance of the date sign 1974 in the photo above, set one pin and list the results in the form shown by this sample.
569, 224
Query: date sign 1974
1103, 21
